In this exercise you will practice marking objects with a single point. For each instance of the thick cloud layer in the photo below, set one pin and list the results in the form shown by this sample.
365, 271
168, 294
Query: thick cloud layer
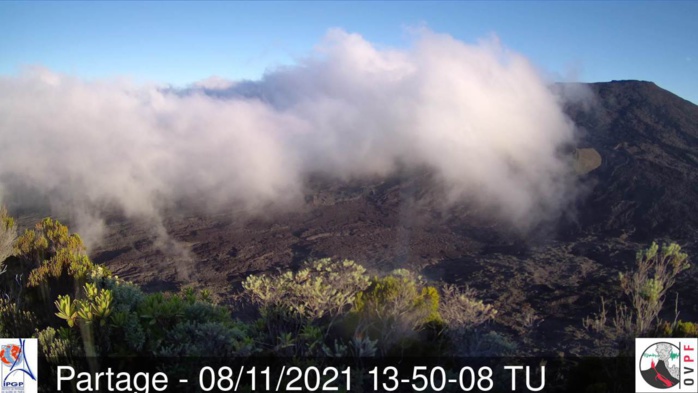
479, 115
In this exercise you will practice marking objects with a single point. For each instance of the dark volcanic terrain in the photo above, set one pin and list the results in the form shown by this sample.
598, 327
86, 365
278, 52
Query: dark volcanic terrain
543, 284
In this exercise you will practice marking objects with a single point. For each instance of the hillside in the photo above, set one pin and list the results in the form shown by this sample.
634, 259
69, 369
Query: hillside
543, 282
648, 184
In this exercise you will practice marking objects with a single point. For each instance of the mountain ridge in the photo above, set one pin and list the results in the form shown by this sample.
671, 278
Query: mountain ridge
648, 139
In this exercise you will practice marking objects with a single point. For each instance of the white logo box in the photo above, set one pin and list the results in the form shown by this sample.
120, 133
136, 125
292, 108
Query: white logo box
19, 365
666, 365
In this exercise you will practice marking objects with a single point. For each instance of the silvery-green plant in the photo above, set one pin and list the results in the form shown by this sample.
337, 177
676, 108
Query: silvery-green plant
323, 288
647, 286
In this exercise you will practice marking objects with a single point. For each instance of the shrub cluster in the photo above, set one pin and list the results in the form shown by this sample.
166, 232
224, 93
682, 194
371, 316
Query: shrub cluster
645, 289
326, 308
337, 309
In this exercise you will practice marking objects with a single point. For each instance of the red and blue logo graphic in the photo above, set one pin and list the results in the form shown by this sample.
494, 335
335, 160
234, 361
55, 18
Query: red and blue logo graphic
16, 372
10, 354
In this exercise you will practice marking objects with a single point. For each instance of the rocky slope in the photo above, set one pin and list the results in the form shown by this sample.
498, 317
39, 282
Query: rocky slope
647, 185
645, 188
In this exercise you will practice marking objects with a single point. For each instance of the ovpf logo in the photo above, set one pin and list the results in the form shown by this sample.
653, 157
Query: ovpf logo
665, 365
18, 365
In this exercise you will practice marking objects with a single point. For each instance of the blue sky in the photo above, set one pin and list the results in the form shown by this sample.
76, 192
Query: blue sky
182, 42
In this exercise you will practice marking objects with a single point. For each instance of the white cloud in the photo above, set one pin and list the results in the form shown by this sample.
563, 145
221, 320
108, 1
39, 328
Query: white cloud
479, 115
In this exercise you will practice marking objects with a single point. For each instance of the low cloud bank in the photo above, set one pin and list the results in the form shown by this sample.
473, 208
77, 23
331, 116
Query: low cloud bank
479, 115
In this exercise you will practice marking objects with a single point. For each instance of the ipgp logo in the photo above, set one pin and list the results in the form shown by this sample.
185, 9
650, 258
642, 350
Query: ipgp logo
665, 365
18, 365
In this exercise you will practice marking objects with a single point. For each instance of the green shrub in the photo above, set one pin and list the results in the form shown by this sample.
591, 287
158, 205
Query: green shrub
322, 288
206, 339
201, 312
102, 314
64, 263
59, 347
158, 314
15, 322
127, 334
646, 288
115, 317
394, 308
319, 294
53, 346
156, 323
686, 329
95, 307
127, 296
46, 239
56, 264
90, 314
8, 234
678, 329
460, 309
462, 313
478, 343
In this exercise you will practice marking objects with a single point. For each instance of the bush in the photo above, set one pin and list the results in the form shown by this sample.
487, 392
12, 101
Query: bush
127, 296
8, 235
462, 314
51, 251
678, 329
53, 346
116, 317
56, 264
127, 335
298, 309
206, 339
394, 308
474, 342
101, 314
165, 320
322, 288
95, 307
124, 321
461, 310
15, 322
646, 288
